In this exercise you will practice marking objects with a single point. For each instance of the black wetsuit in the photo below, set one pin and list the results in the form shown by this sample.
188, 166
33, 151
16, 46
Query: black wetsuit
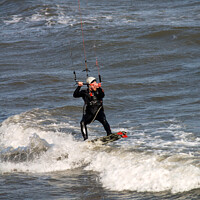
92, 110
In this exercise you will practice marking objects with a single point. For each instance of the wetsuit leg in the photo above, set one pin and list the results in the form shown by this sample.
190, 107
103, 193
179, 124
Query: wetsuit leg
84, 130
87, 118
102, 119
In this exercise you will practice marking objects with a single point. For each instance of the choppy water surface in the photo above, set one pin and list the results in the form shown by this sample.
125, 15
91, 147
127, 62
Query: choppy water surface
148, 54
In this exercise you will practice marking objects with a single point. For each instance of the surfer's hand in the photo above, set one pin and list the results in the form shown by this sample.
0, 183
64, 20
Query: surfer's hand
99, 85
80, 84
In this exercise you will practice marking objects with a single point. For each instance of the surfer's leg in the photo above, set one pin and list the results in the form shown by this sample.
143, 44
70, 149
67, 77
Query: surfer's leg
84, 130
102, 118
85, 120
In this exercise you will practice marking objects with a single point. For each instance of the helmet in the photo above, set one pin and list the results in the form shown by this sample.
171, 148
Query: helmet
90, 80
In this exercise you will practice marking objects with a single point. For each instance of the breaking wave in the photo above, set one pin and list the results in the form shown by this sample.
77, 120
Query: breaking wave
28, 148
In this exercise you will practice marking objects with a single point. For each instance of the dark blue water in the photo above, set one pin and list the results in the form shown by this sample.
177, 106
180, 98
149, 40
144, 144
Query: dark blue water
148, 56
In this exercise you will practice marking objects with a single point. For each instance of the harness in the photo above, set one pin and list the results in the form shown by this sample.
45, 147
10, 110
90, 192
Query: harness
91, 103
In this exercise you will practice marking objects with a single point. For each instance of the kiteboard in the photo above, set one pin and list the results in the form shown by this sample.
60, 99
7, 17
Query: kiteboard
110, 138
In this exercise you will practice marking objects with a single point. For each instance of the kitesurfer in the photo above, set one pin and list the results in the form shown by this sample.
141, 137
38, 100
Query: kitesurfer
93, 107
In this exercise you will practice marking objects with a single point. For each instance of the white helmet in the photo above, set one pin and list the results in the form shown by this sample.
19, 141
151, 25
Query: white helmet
90, 80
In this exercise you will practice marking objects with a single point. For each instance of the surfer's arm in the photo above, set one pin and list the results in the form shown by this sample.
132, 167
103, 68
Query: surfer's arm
77, 92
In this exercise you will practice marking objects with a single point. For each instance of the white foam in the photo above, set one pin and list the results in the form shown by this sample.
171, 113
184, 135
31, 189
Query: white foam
59, 17
15, 19
63, 152
37, 17
136, 172
119, 169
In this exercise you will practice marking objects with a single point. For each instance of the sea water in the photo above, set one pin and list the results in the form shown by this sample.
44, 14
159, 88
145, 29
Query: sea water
148, 57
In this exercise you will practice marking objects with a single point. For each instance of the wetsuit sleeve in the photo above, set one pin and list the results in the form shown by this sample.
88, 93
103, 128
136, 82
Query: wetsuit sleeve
77, 92
101, 93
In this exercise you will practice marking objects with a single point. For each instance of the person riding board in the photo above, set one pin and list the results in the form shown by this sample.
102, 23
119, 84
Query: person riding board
93, 107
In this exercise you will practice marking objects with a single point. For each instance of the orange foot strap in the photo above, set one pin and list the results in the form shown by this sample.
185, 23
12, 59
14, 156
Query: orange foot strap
123, 134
